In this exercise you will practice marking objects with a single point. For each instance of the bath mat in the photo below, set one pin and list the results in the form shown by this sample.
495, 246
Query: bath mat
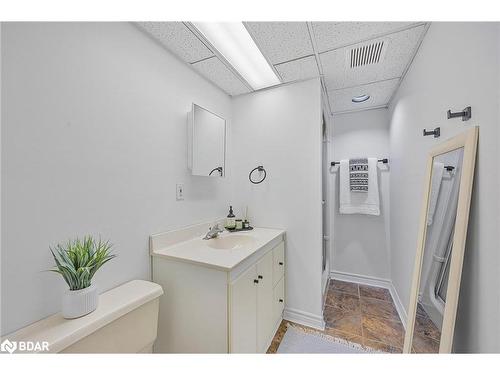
297, 340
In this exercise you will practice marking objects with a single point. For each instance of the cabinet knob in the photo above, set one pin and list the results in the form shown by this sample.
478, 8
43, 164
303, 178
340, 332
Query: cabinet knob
280, 263
256, 281
261, 277
280, 300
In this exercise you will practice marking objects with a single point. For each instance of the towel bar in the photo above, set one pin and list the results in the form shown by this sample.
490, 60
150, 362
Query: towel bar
385, 161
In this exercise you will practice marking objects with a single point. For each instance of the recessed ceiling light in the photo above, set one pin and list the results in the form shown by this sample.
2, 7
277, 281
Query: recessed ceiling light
234, 42
360, 98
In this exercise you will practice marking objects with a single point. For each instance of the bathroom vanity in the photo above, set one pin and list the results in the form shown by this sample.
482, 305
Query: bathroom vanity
223, 295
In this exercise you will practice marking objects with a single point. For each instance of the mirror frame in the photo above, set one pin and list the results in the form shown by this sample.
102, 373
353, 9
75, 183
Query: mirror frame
467, 140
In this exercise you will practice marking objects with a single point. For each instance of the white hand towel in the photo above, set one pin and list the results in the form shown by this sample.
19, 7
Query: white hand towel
437, 177
359, 203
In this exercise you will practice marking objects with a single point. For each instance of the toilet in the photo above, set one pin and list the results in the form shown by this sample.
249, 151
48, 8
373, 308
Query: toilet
125, 321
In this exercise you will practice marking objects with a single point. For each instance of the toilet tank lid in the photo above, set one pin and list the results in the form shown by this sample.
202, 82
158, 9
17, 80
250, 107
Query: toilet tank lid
113, 304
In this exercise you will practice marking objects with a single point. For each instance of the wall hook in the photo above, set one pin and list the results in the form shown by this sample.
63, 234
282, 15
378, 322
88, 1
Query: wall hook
436, 132
466, 114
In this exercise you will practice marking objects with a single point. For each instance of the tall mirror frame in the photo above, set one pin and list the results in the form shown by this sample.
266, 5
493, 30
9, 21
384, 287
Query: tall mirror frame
468, 141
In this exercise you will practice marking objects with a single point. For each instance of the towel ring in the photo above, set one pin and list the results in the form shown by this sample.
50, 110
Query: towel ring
260, 168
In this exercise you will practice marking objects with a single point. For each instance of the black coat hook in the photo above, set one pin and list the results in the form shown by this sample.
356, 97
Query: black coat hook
436, 132
466, 114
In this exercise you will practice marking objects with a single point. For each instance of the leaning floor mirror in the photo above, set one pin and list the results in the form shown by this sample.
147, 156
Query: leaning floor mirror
441, 245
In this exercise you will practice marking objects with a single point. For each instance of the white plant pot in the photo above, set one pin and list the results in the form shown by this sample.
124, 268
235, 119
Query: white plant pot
76, 303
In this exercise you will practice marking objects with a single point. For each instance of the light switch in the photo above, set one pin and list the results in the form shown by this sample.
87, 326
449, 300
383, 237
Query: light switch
179, 192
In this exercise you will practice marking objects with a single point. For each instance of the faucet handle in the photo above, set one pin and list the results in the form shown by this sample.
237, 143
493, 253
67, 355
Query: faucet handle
214, 226
217, 228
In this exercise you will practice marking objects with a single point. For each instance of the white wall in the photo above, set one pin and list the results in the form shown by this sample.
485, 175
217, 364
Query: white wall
360, 243
280, 129
93, 142
456, 66
326, 188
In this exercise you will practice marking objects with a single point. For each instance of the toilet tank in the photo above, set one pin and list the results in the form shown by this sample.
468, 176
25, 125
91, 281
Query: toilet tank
125, 321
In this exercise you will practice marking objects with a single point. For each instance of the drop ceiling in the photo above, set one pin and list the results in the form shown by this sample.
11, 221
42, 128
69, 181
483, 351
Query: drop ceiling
352, 58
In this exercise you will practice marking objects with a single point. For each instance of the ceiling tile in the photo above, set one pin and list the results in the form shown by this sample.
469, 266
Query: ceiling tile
281, 41
214, 70
331, 35
380, 94
298, 69
178, 39
399, 49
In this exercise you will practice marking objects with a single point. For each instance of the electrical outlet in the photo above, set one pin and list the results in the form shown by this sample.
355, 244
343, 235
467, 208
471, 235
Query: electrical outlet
179, 192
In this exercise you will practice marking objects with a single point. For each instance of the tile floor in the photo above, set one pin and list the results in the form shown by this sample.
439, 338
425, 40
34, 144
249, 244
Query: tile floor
358, 313
426, 335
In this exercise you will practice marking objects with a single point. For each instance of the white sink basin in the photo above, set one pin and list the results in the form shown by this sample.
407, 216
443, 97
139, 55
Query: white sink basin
231, 242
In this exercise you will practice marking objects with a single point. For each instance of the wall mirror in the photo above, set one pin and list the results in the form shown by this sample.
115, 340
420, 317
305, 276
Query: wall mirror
206, 142
441, 245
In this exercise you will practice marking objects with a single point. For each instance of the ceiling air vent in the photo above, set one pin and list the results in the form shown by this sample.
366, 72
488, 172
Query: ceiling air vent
367, 54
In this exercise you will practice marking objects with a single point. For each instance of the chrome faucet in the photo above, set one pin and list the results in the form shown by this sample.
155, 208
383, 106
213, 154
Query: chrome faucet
213, 232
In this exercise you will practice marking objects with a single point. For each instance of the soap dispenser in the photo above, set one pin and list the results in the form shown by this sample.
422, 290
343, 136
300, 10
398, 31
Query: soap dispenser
231, 220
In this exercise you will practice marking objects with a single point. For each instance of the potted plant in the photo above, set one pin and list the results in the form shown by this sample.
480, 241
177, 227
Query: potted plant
77, 262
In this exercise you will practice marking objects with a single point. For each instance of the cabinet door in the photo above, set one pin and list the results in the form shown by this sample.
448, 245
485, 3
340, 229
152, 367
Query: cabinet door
278, 262
278, 301
244, 313
265, 322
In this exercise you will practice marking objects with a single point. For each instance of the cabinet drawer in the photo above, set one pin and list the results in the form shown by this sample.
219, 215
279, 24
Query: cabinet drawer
278, 300
278, 262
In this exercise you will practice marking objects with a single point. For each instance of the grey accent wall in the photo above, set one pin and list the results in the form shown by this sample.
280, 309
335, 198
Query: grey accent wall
456, 66
93, 142
361, 243
280, 128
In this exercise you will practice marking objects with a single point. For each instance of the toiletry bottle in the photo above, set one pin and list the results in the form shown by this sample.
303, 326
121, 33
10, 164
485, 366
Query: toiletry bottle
239, 224
231, 220
246, 223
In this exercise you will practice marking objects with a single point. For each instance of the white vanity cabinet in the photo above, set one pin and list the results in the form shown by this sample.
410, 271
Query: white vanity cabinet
243, 313
257, 300
251, 301
211, 308
278, 281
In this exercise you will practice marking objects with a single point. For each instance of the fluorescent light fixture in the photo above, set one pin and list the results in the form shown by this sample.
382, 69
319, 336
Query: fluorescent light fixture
234, 42
360, 98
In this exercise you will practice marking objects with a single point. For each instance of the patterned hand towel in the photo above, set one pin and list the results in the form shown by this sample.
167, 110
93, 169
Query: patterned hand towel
358, 175
350, 201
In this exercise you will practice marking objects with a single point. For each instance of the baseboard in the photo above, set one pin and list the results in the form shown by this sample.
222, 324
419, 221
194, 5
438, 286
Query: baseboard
304, 318
374, 281
399, 305
325, 289
360, 279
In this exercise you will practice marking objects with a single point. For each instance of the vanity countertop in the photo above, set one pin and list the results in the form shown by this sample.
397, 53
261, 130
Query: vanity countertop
198, 251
